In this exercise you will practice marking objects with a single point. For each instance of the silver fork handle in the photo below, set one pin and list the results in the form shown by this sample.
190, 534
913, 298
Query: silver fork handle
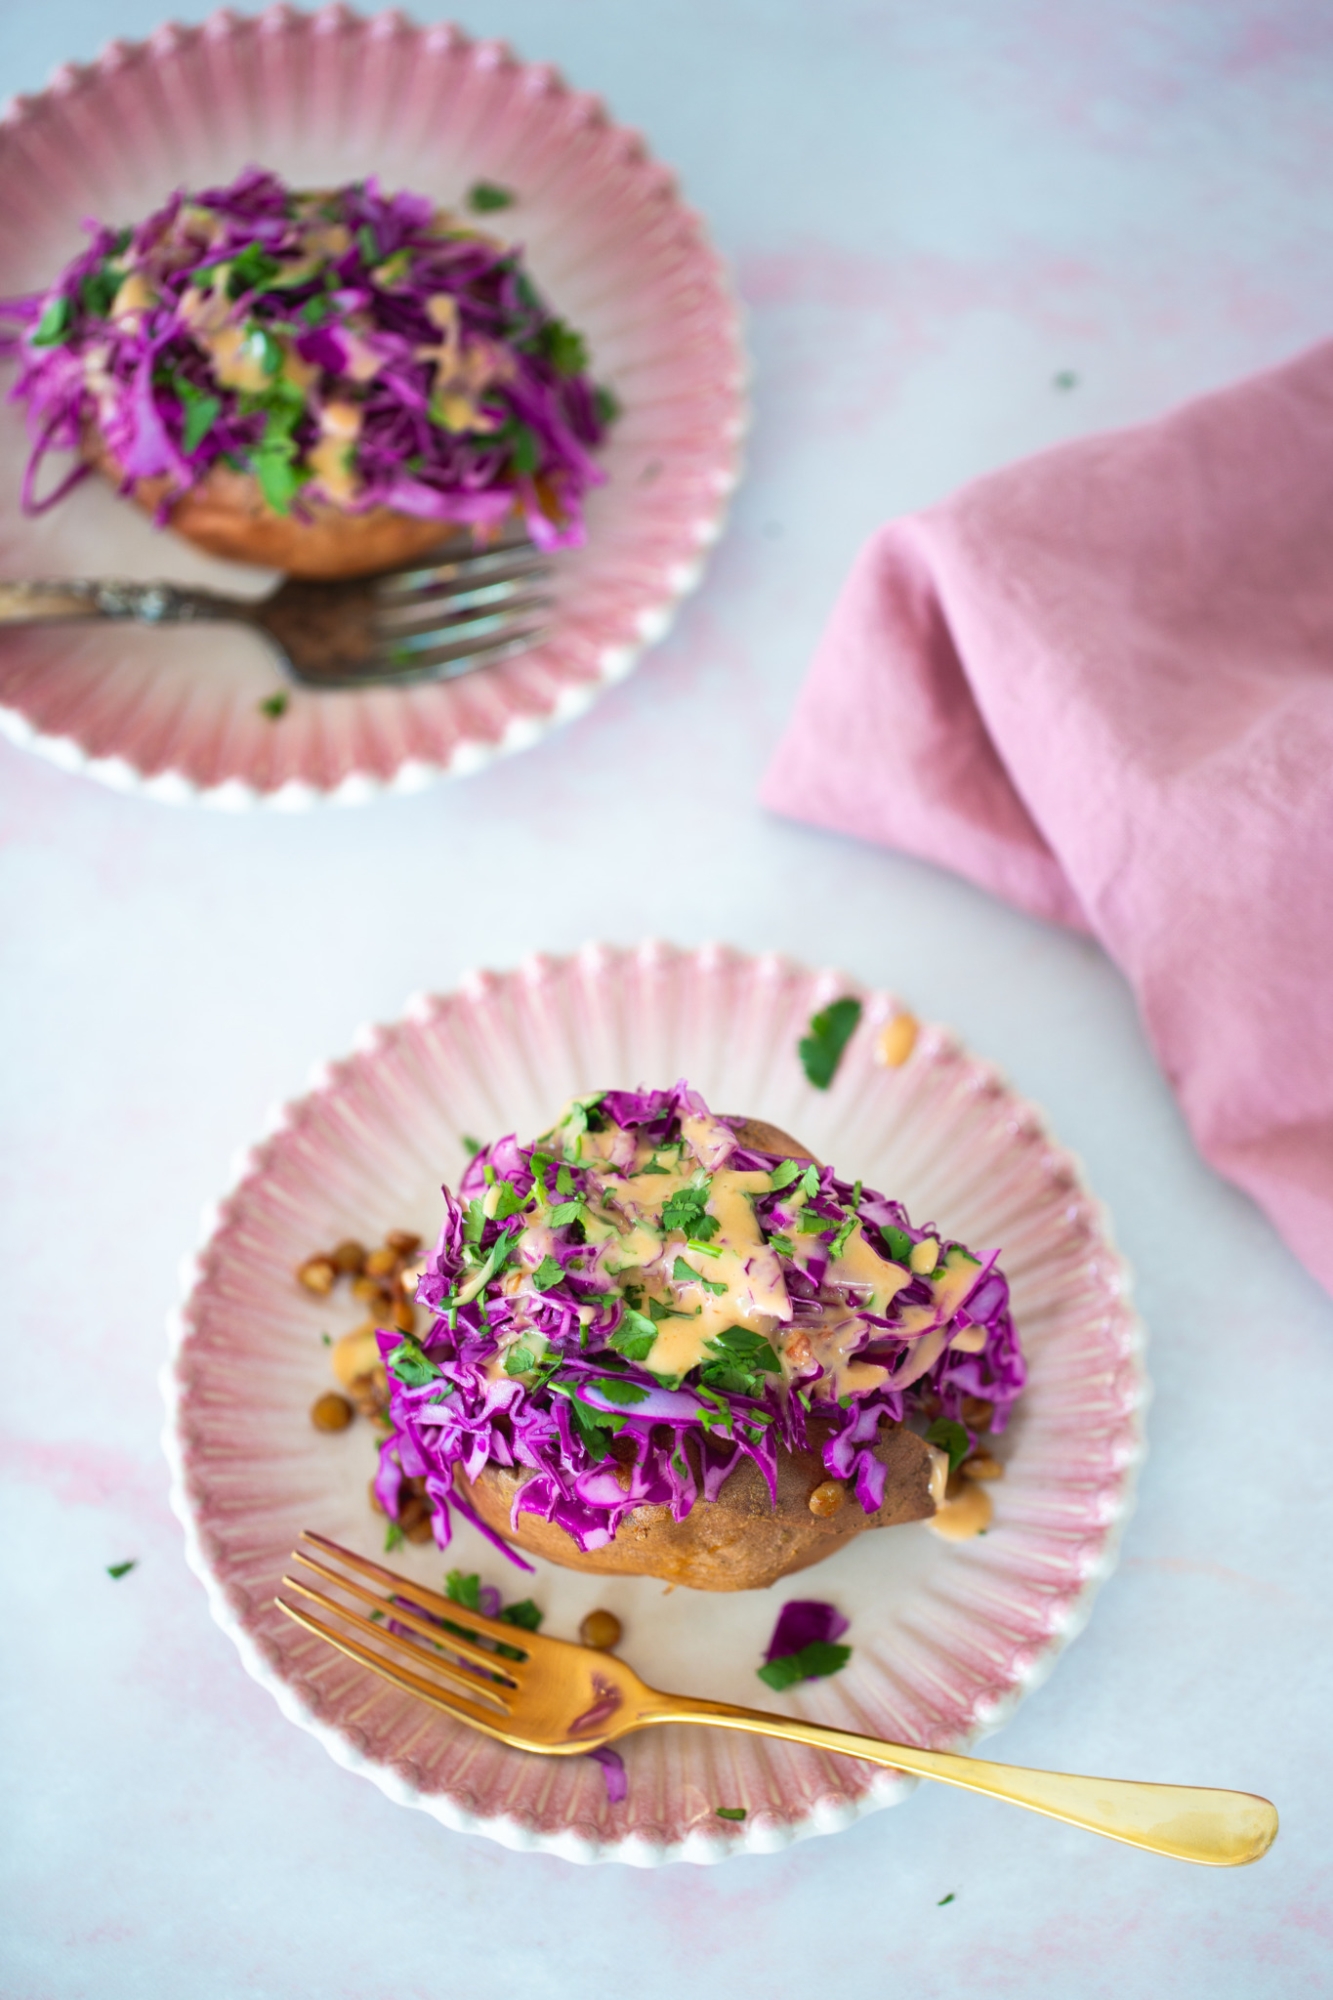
60, 601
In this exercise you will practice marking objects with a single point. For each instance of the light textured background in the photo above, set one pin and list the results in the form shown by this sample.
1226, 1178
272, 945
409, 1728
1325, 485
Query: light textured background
931, 211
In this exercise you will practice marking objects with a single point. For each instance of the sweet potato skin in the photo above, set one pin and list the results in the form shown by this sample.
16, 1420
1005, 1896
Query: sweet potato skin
227, 515
739, 1541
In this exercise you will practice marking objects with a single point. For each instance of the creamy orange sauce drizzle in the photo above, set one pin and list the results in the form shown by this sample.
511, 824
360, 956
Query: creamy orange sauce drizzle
735, 1278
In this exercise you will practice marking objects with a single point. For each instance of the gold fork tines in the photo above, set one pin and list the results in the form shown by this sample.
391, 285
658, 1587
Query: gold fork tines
564, 1700
471, 1673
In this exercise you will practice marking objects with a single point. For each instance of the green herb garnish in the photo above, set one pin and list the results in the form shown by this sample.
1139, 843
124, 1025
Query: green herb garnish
635, 1337
117, 1570
897, 1242
625, 1394
813, 1663
274, 706
53, 328
97, 290
945, 1899
470, 1145
483, 197
830, 1031
564, 349
393, 1538
951, 1437
411, 1367
463, 1589
251, 270
607, 405
784, 1175
730, 1812
548, 1274
743, 1359
525, 1614
685, 1210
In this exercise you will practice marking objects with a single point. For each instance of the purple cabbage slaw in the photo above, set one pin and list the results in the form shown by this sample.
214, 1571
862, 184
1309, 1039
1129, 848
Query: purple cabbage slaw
453, 1405
395, 357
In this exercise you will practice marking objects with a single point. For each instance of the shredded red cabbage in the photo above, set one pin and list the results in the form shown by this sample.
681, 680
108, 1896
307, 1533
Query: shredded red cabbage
537, 1356
805, 1621
348, 345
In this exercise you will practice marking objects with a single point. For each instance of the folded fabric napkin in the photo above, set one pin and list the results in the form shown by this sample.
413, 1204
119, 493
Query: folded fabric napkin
1100, 683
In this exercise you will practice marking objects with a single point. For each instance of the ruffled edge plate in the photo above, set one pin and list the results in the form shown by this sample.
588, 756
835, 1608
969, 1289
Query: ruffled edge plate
948, 1637
175, 714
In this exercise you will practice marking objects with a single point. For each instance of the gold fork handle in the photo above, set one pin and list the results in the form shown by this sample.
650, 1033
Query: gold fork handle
1193, 1822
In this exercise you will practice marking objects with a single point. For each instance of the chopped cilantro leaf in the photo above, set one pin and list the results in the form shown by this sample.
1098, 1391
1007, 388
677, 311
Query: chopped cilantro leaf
525, 447
945, 1899
97, 290
607, 405
635, 1337
200, 414
411, 1367
568, 1211
784, 1175
730, 1812
485, 196
625, 1394
393, 1538
471, 1146
548, 1274
897, 1241
565, 350
274, 706
519, 1360
830, 1031
476, 1221
685, 1211
525, 1614
508, 1201
53, 328
463, 1589
685, 1274
951, 1437
782, 1244
743, 1358
814, 1662
564, 1180
810, 1181
367, 244
117, 1570
811, 1224
251, 270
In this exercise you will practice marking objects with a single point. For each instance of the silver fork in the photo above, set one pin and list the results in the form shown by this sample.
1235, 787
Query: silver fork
431, 622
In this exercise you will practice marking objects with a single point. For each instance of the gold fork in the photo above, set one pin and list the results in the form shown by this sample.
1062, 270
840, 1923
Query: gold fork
562, 1700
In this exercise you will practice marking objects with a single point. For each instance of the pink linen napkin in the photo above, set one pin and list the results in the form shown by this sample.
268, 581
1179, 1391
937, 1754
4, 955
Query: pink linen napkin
1100, 683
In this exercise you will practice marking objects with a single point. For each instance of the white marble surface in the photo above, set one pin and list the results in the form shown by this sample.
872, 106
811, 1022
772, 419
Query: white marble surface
932, 212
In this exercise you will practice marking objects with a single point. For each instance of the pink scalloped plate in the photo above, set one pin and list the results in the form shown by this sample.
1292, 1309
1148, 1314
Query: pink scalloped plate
947, 1636
324, 98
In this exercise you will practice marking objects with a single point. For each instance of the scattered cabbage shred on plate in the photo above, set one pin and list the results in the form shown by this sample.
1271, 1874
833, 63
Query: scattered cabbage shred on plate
636, 1302
363, 348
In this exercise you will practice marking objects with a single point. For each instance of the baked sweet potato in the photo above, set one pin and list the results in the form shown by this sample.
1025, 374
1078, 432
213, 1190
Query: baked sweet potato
741, 1540
226, 515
